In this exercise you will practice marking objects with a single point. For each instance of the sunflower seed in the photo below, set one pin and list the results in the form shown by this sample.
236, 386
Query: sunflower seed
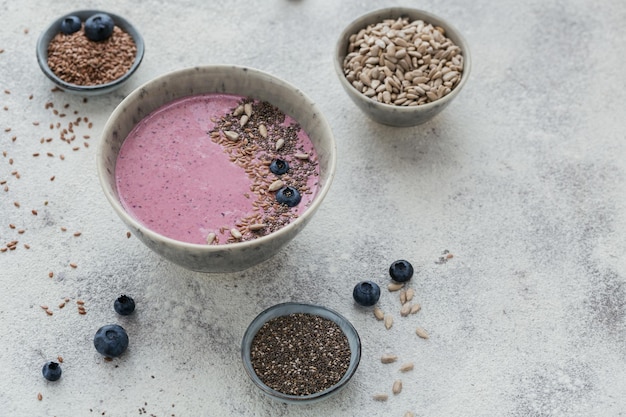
263, 130
247, 108
256, 227
409, 414
397, 387
231, 135
421, 333
405, 310
402, 297
380, 397
275, 186
406, 367
234, 232
388, 358
395, 286
238, 111
244, 119
415, 308
409, 294
210, 238
303, 156
388, 321
279, 144
378, 313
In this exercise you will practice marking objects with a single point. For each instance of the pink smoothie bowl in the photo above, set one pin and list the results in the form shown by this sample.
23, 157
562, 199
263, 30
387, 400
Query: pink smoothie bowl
222, 79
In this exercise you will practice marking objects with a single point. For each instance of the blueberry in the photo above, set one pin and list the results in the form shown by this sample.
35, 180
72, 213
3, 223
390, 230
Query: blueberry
279, 167
99, 27
366, 293
124, 305
51, 371
70, 24
401, 271
111, 340
288, 196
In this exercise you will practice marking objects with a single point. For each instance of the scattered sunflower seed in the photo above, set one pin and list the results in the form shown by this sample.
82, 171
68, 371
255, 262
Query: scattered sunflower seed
388, 358
410, 293
380, 397
231, 135
421, 333
388, 321
276, 185
415, 308
405, 310
406, 367
395, 286
397, 387
378, 313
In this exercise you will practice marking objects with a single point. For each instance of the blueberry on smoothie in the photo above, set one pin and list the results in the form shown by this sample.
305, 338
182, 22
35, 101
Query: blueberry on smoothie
279, 167
111, 340
70, 24
401, 270
366, 293
288, 196
124, 305
51, 371
99, 27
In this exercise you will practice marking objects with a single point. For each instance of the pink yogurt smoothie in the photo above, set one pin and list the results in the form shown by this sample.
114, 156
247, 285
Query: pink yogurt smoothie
175, 172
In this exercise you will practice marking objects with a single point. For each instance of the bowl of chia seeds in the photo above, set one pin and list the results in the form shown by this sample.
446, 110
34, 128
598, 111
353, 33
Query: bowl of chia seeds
401, 66
300, 353
89, 52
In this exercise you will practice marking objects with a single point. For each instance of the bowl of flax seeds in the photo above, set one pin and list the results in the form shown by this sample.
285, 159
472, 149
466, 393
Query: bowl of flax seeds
82, 66
300, 353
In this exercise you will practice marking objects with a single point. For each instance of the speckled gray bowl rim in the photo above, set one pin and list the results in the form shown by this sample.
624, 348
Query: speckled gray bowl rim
283, 309
395, 12
312, 208
54, 27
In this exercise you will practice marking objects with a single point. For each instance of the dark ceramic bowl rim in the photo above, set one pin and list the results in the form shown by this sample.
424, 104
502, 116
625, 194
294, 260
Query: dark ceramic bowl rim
293, 307
54, 27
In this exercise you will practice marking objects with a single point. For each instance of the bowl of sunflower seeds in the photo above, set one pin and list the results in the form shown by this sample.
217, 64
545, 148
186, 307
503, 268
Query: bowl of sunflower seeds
402, 66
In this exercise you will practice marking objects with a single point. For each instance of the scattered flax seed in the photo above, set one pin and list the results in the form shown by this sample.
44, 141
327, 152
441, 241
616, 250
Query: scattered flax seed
26, 246
378, 313
39, 396
388, 321
128, 234
77, 234
62, 304
397, 387
11, 225
406, 367
388, 358
73, 265
16, 204
395, 286
50, 274
63, 229
60, 359
34, 212
421, 333
80, 302
43, 307
52, 178
48, 312
380, 397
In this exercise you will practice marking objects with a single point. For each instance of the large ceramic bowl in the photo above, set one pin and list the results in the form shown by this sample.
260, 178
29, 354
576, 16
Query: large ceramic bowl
392, 114
286, 309
229, 257
87, 90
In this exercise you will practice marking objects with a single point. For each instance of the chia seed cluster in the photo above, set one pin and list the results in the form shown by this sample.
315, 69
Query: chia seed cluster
300, 354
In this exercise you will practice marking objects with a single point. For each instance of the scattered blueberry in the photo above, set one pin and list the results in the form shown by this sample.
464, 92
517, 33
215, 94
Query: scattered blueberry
111, 340
279, 167
99, 27
366, 293
51, 371
70, 24
401, 271
124, 305
288, 196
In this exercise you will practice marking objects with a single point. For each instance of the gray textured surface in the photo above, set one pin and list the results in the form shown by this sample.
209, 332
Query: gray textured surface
522, 178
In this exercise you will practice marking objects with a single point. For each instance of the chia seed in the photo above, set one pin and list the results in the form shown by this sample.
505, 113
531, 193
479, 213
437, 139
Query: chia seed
300, 354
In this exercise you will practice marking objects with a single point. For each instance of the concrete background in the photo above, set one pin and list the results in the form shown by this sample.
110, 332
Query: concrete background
522, 179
